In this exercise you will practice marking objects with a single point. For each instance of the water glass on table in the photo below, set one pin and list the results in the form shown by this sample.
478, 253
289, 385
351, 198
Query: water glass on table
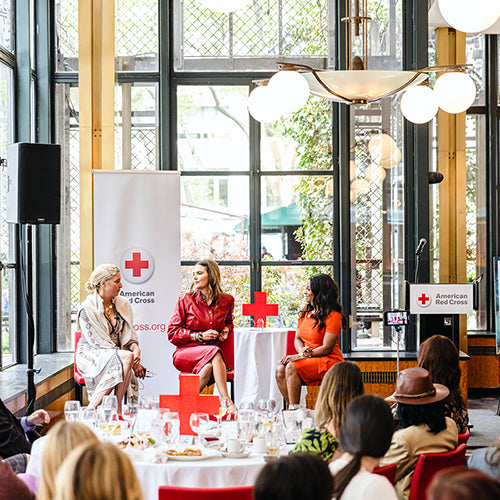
72, 411
199, 423
246, 424
129, 415
171, 426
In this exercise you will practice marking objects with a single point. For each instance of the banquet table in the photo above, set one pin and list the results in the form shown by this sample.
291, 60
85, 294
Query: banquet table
216, 472
257, 352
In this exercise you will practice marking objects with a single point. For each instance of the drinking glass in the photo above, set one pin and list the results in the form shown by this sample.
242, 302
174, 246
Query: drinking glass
171, 426
71, 410
246, 404
110, 401
245, 424
129, 414
88, 417
222, 412
199, 423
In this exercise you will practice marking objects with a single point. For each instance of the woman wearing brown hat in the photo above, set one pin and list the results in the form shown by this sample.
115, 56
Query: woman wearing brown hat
423, 426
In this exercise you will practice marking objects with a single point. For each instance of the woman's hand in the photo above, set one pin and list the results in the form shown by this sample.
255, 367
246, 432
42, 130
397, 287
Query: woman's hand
139, 371
137, 355
223, 335
209, 335
306, 351
292, 357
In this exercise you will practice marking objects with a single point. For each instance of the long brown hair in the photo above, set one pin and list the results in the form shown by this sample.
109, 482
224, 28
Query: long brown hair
439, 356
341, 384
214, 279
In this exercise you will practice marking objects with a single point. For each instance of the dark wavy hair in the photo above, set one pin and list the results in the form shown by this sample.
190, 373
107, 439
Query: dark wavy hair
431, 414
439, 356
366, 431
325, 300
294, 477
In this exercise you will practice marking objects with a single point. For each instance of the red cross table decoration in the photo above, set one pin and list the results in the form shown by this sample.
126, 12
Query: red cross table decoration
260, 310
136, 264
189, 401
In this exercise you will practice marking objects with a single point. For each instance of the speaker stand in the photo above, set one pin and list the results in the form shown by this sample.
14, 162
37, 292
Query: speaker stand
31, 324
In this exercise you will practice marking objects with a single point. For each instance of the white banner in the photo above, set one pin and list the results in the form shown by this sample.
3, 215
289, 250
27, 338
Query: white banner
441, 298
137, 227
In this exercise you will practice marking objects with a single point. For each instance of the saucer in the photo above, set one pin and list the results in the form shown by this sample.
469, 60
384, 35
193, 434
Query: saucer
227, 454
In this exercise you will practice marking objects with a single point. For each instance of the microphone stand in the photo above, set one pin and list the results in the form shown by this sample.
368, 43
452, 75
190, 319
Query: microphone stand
417, 267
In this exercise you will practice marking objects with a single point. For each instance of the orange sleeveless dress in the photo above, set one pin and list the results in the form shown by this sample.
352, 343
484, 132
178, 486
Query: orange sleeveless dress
312, 370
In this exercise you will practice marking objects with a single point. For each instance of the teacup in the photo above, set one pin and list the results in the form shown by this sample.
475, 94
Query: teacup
235, 446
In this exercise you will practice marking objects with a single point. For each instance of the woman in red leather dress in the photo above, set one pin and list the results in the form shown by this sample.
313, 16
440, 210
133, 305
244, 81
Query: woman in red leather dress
316, 339
202, 320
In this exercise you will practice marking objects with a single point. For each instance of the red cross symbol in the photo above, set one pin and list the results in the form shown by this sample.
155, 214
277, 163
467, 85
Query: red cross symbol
190, 401
260, 310
423, 299
136, 264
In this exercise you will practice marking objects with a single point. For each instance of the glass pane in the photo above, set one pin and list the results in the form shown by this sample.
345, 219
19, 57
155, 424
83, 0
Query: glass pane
7, 313
212, 128
252, 37
214, 218
137, 130
66, 25
476, 203
286, 286
7, 25
296, 217
68, 233
475, 56
377, 220
301, 140
136, 35
235, 281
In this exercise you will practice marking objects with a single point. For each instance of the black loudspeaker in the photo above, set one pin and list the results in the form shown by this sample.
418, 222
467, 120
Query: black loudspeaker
34, 183
439, 324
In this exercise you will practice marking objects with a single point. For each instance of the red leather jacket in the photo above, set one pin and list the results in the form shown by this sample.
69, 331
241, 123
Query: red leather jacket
192, 314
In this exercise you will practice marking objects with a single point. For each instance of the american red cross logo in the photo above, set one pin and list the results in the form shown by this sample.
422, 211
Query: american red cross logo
260, 309
423, 299
136, 264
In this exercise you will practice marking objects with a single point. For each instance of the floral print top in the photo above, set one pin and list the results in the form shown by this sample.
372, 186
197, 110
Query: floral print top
318, 441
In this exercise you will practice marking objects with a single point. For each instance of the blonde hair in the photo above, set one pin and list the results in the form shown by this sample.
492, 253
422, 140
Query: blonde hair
341, 384
214, 279
97, 471
61, 440
100, 274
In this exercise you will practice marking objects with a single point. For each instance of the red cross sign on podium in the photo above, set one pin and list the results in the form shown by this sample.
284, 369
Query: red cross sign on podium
189, 401
260, 310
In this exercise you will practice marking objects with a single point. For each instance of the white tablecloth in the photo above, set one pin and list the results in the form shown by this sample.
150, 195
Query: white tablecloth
215, 472
257, 353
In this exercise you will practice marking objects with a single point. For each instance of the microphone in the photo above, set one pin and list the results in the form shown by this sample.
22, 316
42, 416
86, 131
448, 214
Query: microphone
421, 245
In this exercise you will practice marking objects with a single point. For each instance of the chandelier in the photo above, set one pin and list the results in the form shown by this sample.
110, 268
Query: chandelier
453, 92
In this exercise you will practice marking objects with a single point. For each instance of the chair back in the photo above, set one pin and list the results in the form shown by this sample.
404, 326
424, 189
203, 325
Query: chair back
429, 464
227, 348
76, 374
290, 343
463, 438
181, 493
388, 471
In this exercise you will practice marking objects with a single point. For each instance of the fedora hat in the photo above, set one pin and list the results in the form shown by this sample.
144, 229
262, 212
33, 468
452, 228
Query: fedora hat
414, 387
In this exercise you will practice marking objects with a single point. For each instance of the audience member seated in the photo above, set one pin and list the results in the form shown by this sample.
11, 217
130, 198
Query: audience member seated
487, 460
300, 476
108, 354
61, 440
365, 436
316, 339
342, 383
423, 426
13, 439
439, 356
202, 320
11, 487
460, 483
97, 471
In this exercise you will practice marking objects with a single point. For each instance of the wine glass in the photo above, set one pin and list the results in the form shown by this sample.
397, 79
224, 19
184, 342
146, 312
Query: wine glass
222, 412
245, 424
129, 414
88, 417
171, 426
71, 410
110, 401
199, 424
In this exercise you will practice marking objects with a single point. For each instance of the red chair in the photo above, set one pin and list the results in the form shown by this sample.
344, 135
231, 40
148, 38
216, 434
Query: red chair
290, 343
463, 438
227, 349
77, 376
429, 464
180, 493
388, 471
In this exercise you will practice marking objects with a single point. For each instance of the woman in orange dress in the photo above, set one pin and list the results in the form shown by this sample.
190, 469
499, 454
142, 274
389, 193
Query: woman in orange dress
316, 339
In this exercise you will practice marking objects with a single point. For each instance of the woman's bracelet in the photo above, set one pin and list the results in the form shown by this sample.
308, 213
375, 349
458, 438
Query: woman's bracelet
196, 336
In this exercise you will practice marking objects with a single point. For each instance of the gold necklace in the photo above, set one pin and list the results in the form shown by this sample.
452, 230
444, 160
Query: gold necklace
108, 309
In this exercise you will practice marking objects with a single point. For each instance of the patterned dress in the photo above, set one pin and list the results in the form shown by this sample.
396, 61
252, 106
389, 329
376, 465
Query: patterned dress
318, 441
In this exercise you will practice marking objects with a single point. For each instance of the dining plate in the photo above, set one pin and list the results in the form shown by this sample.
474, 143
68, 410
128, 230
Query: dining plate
244, 454
205, 454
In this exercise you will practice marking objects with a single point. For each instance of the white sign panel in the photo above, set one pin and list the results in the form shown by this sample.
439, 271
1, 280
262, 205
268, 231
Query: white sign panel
442, 298
137, 227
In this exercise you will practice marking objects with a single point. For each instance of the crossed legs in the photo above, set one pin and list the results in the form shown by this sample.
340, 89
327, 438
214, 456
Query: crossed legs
289, 383
216, 368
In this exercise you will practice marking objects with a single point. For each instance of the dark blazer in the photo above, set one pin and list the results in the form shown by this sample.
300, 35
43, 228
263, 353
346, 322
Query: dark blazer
12, 437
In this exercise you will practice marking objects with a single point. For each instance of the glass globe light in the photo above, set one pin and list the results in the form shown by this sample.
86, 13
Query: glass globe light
292, 89
463, 15
455, 92
263, 105
360, 186
419, 104
375, 173
223, 6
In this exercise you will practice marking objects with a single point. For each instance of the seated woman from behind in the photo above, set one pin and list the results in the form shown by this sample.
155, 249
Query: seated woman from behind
423, 426
439, 356
342, 383
365, 436
487, 460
